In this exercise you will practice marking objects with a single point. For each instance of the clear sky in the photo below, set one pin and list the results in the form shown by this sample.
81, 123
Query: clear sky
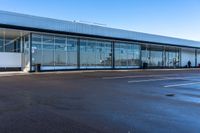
176, 18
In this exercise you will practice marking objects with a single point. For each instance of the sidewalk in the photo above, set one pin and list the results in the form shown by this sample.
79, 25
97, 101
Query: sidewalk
13, 73
17, 73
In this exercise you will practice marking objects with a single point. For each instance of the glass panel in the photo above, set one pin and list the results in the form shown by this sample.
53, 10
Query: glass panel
95, 54
1, 45
36, 49
54, 52
1, 40
145, 54
172, 59
36, 53
48, 51
36, 38
9, 45
71, 50
12, 44
60, 51
11, 40
127, 55
156, 58
152, 55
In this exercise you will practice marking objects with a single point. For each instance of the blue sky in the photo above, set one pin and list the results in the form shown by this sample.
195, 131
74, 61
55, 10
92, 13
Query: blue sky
176, 18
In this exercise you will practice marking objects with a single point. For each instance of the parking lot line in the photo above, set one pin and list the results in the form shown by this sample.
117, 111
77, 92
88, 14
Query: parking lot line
177, 85
139, 76
160, 79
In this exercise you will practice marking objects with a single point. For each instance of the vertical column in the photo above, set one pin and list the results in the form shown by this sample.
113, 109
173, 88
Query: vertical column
113, 55
66, 51
42, 43
146, 54
54, 52
4, 41
30, 47
196, 65
78, 54
21, 50
21, 42
149, 56
164, 58
180, 57
141, 63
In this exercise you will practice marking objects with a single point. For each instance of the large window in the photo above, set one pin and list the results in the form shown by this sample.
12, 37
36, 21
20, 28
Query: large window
127, 55
160, 56
1, 44
54, 52
95, 54
152, 55
71, 49
11, 40
156, 58
172, 58
48, 51
36, 49
60, 51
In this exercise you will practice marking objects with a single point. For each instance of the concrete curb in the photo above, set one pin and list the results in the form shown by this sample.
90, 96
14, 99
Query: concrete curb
19, 73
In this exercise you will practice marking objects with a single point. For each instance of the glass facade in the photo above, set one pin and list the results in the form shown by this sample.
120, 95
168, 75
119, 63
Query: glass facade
127, 55
64, 52
54, 52
160, 56
95, 54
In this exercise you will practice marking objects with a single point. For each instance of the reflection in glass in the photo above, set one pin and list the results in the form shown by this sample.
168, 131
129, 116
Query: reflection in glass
95, 54
36, 49
127, 55
158, 56
71, 50
54, 52
1, 45
60, 51
48, 51
172, 58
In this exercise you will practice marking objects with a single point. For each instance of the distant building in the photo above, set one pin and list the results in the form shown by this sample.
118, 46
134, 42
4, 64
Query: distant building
26, 41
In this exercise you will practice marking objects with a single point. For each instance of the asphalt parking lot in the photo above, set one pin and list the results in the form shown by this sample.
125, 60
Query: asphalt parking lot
101, 102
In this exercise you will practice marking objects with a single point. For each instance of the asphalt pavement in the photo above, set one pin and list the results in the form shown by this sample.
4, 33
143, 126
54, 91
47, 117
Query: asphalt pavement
101, 102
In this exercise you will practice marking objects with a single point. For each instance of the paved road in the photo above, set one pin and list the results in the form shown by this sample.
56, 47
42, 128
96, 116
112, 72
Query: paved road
101, 102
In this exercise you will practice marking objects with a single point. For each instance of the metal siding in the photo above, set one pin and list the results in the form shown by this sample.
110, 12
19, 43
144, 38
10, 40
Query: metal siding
74, 27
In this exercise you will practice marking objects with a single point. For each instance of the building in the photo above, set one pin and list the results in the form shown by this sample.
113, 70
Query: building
26, 41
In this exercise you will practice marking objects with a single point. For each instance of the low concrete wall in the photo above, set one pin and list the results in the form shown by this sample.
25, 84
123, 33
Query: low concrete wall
10, 60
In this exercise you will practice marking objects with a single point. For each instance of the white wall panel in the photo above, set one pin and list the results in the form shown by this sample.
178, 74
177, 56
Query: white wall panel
10, 59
